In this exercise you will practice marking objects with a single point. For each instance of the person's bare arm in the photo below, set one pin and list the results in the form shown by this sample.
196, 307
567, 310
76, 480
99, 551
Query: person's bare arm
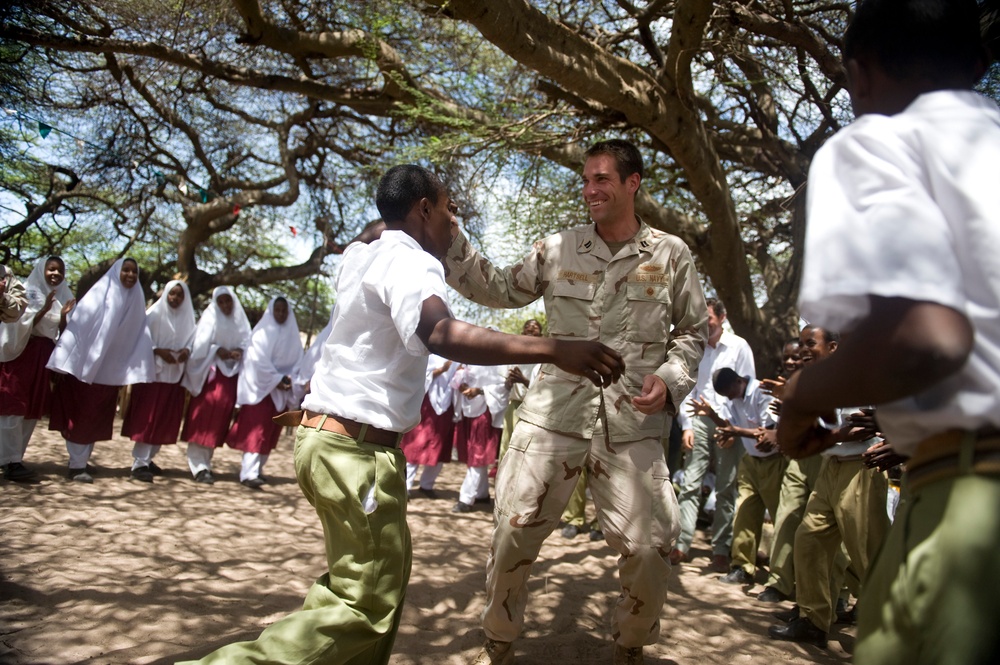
900, 349
466, 343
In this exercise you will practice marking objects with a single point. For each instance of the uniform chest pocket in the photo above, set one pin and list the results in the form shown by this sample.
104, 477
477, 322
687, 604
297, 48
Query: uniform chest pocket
571, 308
648, 312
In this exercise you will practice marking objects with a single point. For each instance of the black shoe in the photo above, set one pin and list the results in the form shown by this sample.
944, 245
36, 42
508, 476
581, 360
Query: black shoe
737, 576
771, 595
18, 472
484, 500
264, 479
80, 476
570, 531
155, 470
460, 507
427, 494
204, 476
252, 483
844, 615
596, 534
142, 473
787, 616
800, 630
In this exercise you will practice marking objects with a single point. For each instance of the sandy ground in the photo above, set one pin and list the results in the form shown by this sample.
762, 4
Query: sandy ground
126, 572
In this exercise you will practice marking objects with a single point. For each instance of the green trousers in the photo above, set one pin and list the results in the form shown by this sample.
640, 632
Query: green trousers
351, 614
796, 486
758, 485
933, 594
846, 509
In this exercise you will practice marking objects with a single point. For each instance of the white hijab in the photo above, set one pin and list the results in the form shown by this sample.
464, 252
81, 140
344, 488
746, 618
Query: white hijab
275, 350
14, 335
171, 329
106, 340
216, 330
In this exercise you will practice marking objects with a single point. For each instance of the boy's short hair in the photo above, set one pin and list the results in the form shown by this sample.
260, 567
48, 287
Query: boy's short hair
401, 187
828, 335
912, 39
628, 159
724, 379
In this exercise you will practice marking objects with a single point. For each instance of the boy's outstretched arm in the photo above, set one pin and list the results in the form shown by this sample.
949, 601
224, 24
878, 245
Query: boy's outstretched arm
446, 336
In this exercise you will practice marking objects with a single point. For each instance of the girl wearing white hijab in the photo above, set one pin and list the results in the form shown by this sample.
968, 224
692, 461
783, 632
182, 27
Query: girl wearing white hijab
25, 347
154, 413
265, 388
220, 340
106, 345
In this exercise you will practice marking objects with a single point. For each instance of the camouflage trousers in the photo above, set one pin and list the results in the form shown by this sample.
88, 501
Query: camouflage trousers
636, 510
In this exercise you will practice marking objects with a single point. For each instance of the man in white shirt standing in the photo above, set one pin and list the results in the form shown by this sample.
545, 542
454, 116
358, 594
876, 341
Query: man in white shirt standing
724, 349
902, 240
391, 313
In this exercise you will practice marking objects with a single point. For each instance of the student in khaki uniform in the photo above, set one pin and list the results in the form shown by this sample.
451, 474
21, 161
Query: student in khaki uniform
761, 469
902, 239
635, 289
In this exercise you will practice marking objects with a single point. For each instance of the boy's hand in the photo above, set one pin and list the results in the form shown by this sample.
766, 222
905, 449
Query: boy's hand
725, 437
592, 360
881, 456
767, 440
701, 407
773, 387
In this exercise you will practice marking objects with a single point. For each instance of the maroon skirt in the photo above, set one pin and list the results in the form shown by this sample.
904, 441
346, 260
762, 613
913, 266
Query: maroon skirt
83, 412
254, 431
25, 386
430, 442
154, 413
210, 413
477, 440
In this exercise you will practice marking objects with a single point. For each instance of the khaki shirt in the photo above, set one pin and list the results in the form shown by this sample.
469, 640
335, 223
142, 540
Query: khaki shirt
646, 303
13, 300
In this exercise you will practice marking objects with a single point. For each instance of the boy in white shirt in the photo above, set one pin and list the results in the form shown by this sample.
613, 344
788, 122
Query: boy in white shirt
902, 240
760, 470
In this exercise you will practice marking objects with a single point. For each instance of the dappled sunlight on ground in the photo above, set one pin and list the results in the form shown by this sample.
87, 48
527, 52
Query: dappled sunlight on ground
127, 572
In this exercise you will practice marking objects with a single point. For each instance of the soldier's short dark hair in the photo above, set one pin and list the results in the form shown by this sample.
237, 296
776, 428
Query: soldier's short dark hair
627, 158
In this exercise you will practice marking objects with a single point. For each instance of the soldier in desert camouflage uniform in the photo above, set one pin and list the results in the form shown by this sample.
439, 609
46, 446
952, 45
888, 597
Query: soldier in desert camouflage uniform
636, 290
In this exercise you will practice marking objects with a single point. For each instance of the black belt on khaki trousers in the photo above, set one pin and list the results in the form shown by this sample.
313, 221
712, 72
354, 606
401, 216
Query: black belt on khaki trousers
360, 432
954, 453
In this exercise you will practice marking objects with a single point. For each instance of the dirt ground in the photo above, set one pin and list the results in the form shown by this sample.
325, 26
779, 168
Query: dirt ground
127, 572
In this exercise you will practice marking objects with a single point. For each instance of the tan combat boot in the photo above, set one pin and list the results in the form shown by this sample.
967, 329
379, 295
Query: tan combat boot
495, 652
628, 655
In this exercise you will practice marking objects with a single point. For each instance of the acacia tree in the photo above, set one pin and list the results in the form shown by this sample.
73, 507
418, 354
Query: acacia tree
203, 107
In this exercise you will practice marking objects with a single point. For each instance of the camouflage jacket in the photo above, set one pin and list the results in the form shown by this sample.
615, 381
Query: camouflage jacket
646, 302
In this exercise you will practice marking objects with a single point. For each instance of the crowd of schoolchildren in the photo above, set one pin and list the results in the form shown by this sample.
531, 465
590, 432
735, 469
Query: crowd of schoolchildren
208, 383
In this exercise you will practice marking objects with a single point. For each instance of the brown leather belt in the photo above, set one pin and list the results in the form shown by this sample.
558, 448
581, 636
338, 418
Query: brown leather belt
360, 432
953, 453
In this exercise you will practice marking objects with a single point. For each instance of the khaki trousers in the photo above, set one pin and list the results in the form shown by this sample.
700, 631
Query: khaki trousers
847, 506
933, 594
759, 484
351, 614
796, 486
636, 509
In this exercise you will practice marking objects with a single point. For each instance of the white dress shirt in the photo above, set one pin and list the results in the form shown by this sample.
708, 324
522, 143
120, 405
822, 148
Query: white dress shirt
372, 366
